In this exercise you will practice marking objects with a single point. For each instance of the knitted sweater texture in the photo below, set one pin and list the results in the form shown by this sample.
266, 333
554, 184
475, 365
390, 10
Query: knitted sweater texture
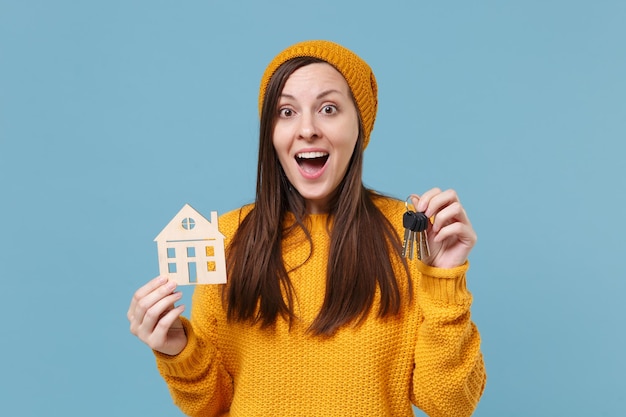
428, 355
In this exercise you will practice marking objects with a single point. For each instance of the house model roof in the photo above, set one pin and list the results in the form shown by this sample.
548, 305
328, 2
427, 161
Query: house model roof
189, 224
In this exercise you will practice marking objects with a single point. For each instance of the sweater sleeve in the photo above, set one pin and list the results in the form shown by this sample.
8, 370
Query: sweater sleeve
449, 376
197, 380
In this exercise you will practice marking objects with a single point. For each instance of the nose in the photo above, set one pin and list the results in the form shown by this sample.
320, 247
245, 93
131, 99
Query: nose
308, 129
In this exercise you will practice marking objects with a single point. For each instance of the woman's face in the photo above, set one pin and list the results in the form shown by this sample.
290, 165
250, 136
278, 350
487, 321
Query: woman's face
315, 132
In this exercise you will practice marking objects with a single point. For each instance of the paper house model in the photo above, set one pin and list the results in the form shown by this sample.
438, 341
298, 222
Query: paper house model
191, 249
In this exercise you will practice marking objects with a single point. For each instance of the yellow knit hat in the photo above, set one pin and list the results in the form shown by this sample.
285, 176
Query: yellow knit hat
357, 73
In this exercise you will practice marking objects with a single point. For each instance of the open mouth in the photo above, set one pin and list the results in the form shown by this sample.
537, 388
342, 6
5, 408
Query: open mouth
311, 162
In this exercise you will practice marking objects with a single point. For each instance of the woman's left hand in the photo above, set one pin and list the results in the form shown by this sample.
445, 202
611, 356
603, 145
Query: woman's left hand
451, 236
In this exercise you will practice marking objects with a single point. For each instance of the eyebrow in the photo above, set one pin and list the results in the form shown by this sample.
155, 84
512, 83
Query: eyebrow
319, 96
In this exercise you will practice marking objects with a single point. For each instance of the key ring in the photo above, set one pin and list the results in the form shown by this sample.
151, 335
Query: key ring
406, 202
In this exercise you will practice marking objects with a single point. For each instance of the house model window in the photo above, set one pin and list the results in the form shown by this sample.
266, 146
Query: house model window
191, 249
188, 223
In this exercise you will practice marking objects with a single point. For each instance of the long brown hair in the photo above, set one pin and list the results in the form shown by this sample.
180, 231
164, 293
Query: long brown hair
362, 245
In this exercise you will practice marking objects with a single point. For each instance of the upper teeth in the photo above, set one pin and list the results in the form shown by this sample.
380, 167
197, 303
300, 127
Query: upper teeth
311, 155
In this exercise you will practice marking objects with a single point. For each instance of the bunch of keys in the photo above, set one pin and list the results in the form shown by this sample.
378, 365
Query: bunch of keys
415, 225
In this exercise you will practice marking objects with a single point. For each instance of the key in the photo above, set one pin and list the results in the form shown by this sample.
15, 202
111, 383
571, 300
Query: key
421, 224
409, 221
415, 226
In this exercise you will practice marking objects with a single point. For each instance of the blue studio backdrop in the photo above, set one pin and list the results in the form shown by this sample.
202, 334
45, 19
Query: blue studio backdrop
113, 114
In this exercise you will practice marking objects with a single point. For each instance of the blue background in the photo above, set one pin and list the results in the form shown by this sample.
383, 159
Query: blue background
113, 114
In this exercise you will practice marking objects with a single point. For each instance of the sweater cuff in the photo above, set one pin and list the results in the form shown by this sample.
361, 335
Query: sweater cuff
445, 284
188, 360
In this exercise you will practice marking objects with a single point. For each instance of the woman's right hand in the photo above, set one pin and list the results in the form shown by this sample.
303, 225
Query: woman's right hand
155, 320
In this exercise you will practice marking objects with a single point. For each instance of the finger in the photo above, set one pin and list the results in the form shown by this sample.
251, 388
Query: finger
440, 200
421, 204
169, 321
147, 302
450, 214
143, 291
153, 314
457, 232
150, 299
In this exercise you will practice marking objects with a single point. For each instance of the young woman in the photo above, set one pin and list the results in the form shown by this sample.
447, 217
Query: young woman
321, 315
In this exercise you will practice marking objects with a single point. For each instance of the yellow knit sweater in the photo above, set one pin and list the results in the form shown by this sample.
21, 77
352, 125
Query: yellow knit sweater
428, 355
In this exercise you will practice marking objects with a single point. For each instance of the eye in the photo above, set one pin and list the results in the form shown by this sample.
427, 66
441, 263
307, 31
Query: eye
329, 109
285, 112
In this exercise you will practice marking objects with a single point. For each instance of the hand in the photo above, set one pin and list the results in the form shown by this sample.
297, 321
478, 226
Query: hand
155, 320
451, 236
